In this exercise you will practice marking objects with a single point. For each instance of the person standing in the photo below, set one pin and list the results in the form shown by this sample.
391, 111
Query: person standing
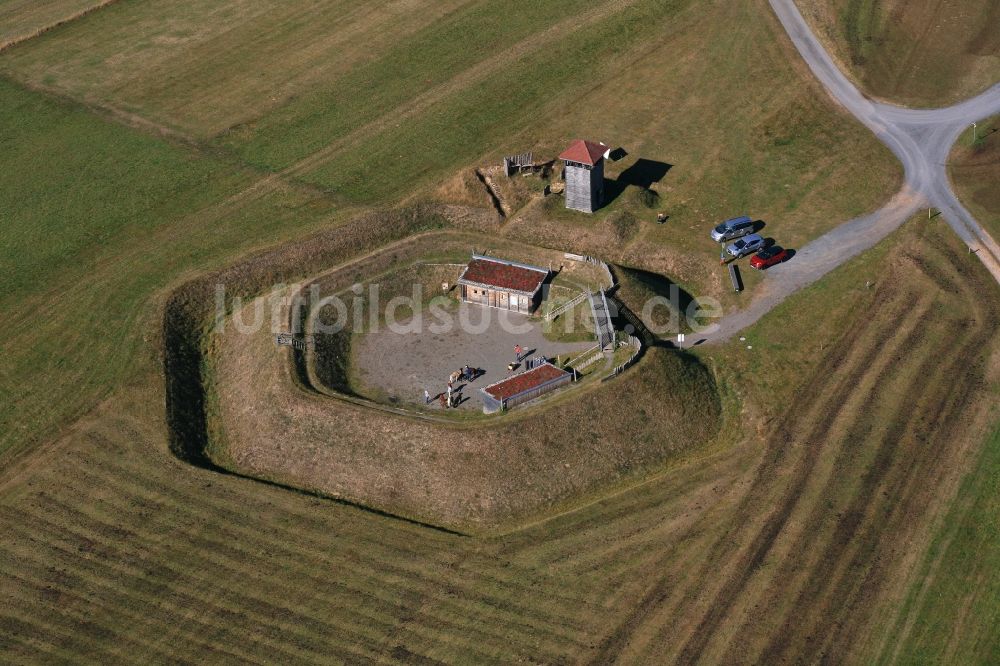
517, 353
427, 397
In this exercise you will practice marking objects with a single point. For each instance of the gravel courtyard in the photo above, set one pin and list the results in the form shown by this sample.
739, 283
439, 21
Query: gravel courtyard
403, 364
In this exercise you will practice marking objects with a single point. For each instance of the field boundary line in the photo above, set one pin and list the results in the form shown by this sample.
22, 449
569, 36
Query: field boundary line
38, 32
18, 467
110, 112
413, 107
474, 74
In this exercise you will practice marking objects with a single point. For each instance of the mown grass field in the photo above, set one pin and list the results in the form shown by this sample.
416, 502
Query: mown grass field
117, 551
183, 216
140, 151
913, 52
98, 221
21, 20
625, 72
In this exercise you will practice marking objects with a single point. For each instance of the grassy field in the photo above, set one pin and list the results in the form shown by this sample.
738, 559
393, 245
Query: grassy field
153, 211
811, 564
779, 159
917, 53
947, 617
21, 20
974, 168
117, 216
780, 151
117, 551
793, 535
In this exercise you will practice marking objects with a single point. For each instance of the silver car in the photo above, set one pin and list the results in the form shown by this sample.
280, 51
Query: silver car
746, 245
734, 228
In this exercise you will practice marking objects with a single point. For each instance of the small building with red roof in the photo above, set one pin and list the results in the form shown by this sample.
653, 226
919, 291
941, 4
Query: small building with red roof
584, 174
523, 387
501, 283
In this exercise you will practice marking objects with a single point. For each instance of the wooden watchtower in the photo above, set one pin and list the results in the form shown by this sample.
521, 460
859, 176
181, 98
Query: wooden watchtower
584, 162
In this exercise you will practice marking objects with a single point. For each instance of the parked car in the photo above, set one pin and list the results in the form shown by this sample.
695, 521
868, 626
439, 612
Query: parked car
734, 228
769, 256
746, 245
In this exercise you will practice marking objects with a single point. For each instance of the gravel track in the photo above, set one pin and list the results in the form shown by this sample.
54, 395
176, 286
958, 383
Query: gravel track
922, 140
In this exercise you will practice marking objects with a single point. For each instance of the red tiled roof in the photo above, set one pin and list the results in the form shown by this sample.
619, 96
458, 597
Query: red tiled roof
524, 381
586, 152
503, 275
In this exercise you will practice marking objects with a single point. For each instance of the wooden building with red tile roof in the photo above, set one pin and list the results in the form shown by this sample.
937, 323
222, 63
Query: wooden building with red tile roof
523, 387
503, 284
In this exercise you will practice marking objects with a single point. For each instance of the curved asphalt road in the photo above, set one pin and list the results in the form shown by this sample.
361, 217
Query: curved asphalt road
920, 138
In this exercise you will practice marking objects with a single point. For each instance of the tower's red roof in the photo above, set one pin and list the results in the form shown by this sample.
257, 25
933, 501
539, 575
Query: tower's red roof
586, 152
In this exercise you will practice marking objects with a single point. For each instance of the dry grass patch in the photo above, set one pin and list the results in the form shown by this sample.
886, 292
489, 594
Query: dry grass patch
914, 52
468, 478
974, 168
210, 67
21, 20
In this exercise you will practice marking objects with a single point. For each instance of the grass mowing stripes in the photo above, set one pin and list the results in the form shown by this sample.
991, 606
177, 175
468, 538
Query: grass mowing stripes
117, 551
942, 601
108, 480
415, 64
461, 125
137, 586
122, 528
213, 546
22, 19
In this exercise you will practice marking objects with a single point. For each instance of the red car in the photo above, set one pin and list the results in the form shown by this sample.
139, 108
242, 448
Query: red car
769, 256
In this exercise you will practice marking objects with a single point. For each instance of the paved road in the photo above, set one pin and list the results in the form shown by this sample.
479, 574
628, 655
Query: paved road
920, 138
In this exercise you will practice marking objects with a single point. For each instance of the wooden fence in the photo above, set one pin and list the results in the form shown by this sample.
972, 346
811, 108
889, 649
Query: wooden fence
301, 343
591, 356
516, 163
609, 277
635, 342
569, 305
